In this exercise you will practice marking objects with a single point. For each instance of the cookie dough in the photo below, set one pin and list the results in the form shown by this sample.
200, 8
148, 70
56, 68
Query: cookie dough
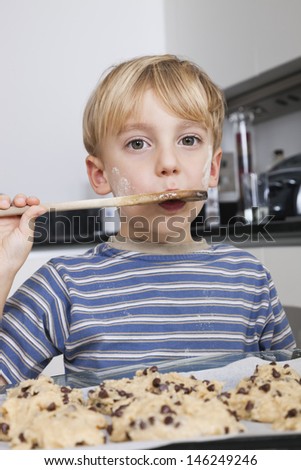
42, 401
172, 417
111, 394
70, 426
269, 395
149, 406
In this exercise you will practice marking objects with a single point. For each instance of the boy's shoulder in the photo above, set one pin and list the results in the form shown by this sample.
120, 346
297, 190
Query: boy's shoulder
225, 248
82, 257
234, 254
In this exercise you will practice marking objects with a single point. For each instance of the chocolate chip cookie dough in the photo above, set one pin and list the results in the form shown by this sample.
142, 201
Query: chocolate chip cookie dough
149, 406
111, 394
272, 394
41, 414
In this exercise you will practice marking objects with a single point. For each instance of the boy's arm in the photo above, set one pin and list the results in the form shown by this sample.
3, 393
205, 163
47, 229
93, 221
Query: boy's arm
16, 239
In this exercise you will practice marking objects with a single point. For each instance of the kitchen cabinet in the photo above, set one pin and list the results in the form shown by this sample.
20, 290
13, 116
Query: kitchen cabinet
284, 264
234, 40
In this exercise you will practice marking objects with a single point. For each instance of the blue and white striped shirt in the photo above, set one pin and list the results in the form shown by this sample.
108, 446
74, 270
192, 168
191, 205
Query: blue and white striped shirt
112, 307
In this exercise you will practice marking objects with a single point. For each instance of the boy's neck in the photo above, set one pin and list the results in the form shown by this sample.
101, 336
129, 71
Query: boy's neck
129, 244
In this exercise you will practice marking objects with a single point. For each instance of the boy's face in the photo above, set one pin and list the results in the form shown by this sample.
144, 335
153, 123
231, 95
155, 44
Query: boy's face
156, 151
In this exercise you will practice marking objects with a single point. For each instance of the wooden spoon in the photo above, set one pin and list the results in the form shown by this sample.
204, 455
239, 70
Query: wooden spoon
133, 200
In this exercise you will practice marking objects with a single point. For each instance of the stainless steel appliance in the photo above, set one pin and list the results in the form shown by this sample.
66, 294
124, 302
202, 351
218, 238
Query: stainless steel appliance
285, 187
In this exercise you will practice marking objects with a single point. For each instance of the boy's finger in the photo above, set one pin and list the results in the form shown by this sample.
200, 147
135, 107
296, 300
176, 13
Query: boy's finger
32, 200
28, 218
4, 201
20, 200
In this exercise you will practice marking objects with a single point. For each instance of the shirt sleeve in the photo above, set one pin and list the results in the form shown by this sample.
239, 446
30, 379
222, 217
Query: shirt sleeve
277, 333
35, 325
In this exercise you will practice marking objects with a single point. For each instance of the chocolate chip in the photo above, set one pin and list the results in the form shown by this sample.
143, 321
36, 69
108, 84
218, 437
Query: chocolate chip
291, 413
93, 408
142, 425
156, 382
103, 393
233, 413
123, 393
242, 391
4, 428
168, 420
249, 406
273, 363
24, 389
110, 429
211, 388
286, 366
65, 399
65, 390
22, 437
227, 430
275, 373
51, 407
165, 409
153, 369
119, 411
151, 419
265, 388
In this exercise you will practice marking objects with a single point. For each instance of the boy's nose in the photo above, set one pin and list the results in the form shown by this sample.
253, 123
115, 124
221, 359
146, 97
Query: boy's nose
167, 164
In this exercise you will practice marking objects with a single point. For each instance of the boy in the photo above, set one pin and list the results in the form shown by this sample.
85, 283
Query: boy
152, 124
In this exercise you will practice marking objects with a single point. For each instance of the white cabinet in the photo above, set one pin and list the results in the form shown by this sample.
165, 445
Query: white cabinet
284, 264
234, 40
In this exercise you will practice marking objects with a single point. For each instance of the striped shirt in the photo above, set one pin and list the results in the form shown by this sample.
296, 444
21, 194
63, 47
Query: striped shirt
115, 307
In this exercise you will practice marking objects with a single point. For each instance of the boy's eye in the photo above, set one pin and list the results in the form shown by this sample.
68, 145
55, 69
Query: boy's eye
189, 140
136, 144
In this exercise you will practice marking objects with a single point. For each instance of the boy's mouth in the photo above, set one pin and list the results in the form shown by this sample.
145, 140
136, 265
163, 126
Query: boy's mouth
173, 205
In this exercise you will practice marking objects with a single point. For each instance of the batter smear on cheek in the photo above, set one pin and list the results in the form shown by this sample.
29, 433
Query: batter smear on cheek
207, 168
121, 184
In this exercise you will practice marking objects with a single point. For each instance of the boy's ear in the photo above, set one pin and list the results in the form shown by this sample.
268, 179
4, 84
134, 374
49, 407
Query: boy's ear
215, 168
97, 175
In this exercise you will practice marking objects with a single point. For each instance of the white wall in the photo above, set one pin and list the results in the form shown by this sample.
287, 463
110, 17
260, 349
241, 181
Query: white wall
52, 55
234, 40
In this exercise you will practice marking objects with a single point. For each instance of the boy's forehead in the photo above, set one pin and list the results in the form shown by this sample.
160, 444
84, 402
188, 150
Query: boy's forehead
133, 123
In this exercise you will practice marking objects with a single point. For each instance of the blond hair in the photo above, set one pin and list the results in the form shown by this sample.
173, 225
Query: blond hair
181, 85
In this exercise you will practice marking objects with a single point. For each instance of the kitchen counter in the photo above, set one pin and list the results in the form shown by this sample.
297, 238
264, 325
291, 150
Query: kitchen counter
270, 233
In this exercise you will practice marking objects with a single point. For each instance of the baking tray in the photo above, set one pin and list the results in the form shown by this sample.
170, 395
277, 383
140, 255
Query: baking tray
228, 368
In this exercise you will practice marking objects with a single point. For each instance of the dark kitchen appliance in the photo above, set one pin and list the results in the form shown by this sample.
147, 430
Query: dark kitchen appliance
285, 187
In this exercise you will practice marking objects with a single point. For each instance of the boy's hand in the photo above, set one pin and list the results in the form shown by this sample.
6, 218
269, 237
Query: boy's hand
16, 233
